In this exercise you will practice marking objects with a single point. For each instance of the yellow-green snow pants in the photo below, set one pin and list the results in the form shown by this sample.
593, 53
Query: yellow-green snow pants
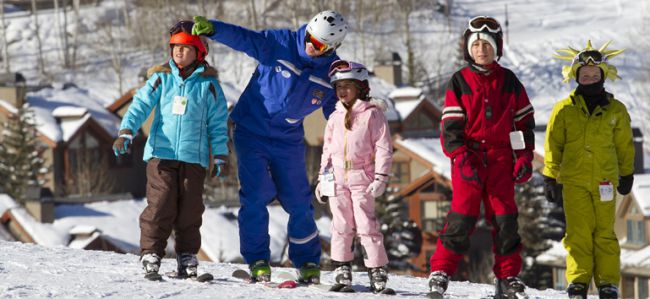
590, 241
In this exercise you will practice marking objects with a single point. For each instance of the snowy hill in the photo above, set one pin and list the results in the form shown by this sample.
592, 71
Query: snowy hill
31, 271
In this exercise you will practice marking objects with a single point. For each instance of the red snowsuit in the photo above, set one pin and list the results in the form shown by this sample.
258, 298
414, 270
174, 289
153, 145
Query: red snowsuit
480, 111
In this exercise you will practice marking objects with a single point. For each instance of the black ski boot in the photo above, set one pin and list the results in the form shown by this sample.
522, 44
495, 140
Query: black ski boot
151, 265
343, 277
510, 288
608, 291
187, 265
577, 290
378, 279
438, 282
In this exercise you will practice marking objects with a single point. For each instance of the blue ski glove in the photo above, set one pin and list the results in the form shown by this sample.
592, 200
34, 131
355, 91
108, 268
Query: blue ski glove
121, 144
202, 26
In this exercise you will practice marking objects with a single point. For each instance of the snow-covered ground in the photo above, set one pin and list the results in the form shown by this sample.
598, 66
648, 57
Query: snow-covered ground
32, 271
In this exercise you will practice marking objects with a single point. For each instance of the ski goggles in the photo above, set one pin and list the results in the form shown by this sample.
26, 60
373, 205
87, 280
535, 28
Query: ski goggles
182, 26
343, 66
591, 57
318, 45
481, 23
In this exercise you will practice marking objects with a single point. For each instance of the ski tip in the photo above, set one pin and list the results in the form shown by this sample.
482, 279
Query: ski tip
388, 291
153, 276
287, 284
436, 295
205, 277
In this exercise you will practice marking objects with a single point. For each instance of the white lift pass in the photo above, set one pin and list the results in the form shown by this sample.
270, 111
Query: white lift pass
517, 140
327, 184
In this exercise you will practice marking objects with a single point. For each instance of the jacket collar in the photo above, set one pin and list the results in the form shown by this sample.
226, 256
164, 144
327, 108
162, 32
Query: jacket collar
358, 107
579, 101
176, 72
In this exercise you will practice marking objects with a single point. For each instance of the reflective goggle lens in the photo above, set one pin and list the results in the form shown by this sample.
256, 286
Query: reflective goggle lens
321, 47
478, 24
339, 66
590, 57
184, 26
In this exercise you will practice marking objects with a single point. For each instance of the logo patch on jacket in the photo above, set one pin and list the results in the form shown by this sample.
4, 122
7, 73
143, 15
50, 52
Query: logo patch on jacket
317, 93
315, 101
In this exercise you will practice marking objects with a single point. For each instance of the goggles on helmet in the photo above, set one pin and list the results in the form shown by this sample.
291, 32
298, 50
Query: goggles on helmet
481, 23
182, 26
318, 45
590, 57
342, 66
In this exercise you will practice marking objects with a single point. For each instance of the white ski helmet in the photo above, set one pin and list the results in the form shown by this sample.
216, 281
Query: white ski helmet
347, 70
328, 27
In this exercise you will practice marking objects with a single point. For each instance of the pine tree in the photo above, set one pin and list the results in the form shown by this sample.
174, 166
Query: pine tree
537, 227
21, 162
402, 237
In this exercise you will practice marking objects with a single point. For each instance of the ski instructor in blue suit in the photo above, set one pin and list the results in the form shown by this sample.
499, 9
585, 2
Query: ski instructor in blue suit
289, 83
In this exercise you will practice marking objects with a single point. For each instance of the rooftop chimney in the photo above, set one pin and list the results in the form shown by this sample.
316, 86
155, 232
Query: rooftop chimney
13, 88
638, 150
388, 67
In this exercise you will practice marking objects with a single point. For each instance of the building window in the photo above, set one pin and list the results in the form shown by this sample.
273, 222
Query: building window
628, 287
635, 232
401, 172
560, 282
642, 287
433, 214
421, 121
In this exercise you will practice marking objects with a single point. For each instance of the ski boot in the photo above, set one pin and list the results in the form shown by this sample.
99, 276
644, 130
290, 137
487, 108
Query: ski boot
343, 277
151, 265
378, 279
608, 291
510, 288
187, 265
260, 271
309, 274
438, 282
577, 290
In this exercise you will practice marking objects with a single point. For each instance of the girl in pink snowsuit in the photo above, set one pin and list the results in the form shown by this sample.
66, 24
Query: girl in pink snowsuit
358, 150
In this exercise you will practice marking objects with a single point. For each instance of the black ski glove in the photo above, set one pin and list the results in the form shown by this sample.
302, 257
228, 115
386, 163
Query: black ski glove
552, 190
625, 184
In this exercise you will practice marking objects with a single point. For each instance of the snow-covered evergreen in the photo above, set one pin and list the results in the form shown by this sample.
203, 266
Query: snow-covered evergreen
21, 161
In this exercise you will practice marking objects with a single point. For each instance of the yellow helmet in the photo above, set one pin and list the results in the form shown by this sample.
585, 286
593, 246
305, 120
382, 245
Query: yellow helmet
588, 56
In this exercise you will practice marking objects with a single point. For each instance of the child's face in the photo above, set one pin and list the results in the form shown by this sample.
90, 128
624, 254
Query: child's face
183, 55
346, 90
589, 74
482, 52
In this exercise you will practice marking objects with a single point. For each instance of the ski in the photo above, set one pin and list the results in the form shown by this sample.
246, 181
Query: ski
153, 276
245, 276
205, 277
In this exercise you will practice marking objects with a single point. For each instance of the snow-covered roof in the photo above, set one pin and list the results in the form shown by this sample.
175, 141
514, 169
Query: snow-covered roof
68, 102
405, 107
42, 233
431, 150
69, 111
6, 105
641, 192
381, 89
6, 203
407, 92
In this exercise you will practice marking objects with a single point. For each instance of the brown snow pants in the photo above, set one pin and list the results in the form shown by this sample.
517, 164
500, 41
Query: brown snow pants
174, 201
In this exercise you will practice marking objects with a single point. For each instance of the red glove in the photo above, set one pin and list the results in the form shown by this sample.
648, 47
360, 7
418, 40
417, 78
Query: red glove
523, 169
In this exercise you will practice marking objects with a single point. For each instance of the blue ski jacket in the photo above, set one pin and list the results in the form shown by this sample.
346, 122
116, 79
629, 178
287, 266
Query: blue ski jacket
287, 84
174, 136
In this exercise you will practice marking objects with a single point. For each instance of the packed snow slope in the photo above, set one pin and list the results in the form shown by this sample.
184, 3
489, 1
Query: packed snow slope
33, 271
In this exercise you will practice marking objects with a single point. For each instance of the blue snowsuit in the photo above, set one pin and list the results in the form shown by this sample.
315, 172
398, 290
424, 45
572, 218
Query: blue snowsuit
269, 137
